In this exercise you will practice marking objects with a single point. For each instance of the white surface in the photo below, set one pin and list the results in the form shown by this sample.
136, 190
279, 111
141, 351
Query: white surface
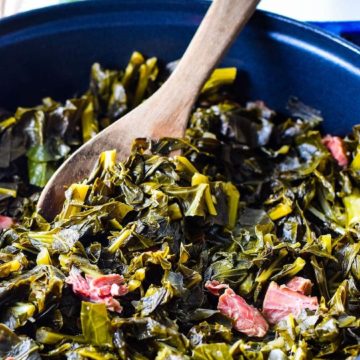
10, 7
306, 10
32, 4
315, 10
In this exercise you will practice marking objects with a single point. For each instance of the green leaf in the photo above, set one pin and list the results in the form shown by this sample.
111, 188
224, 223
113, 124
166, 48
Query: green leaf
95, 324
212, 352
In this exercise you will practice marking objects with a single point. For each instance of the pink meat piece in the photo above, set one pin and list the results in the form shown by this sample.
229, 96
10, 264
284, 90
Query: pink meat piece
337, 149
79, 285
215, 286
107, 285
110, 302
281, 301
300, 285
246, 318
100, 290
6, 222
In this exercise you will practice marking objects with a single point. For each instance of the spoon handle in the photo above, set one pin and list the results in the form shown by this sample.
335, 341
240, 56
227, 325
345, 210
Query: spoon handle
219, 28
166, 112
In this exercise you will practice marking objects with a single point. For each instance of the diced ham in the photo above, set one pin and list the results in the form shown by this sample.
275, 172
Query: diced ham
107, 285
246, 318
300, 285
215, 286
337, 149
5, 222
100, 290
281, 301
110, 302
79, 284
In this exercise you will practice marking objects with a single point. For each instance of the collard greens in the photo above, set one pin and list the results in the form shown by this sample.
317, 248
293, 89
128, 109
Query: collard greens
133, 266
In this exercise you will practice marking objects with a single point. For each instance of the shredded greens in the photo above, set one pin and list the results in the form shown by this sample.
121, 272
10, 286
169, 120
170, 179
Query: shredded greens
165, 254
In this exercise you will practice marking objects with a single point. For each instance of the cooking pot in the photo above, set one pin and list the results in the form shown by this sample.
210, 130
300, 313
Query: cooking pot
49, 52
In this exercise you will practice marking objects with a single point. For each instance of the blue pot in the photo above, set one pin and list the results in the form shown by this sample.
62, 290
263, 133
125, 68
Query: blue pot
48, 52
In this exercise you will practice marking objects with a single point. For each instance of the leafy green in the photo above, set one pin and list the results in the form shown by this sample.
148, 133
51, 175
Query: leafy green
246, 198
212, 352
95, 324
17, 347
18, 314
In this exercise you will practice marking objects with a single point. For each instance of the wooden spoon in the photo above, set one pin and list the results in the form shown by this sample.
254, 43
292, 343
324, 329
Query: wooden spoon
167, 111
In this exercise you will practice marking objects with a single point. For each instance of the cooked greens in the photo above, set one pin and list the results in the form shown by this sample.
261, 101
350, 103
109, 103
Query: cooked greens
185, 248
